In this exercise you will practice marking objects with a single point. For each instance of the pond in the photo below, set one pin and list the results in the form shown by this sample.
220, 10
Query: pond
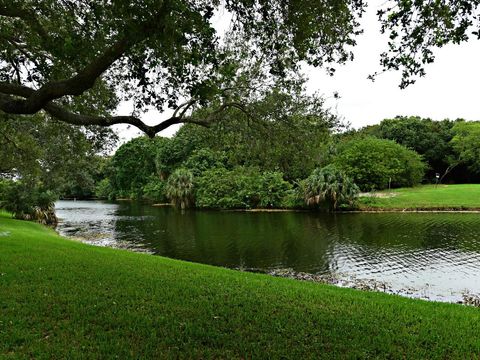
426, 255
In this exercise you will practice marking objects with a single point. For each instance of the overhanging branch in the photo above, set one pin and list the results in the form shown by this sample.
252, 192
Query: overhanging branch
86, 77
70, 117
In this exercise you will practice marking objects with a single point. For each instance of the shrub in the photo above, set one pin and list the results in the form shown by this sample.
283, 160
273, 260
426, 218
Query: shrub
273, 189
375, 163
104, 190
294, 198
155, 190
240, 188
29, 202
331, 187
227, 189
180, 189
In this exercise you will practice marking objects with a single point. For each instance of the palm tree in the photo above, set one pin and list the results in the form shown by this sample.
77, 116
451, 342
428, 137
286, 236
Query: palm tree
331, 186
180, 189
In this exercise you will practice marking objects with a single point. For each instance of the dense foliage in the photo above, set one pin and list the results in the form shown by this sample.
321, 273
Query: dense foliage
241, 188
466, 145
434, 140
132, 165
236, 164
42, 159
375, 163
427, 137
28, 203
233, 166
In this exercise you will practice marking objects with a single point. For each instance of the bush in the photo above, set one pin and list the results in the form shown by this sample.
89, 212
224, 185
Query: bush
294, 198
331, 187
155, 190
273, 189
180, 189
226, 189
28, 202
374, 163
104, 190
240, 188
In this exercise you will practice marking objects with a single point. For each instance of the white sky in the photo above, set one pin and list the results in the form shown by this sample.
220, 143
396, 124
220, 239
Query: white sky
449, 90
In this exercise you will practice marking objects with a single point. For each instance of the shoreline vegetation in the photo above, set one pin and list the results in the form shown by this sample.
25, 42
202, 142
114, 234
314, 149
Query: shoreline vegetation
108, 302
422, 198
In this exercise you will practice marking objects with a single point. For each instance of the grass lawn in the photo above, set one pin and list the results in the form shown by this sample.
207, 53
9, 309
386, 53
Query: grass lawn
61, 299
455, 197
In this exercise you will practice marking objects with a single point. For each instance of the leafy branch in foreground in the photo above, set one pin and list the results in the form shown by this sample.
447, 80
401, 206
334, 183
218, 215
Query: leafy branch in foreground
155, 53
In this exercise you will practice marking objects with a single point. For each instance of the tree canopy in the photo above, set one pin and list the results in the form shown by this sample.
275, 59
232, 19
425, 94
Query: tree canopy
42, 149
377, 164
76, 60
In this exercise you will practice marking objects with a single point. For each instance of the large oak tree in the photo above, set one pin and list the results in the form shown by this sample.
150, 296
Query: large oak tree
76, 59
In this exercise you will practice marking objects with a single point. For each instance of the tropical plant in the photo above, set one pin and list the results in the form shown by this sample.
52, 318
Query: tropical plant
29, 202
330, 186
180, 188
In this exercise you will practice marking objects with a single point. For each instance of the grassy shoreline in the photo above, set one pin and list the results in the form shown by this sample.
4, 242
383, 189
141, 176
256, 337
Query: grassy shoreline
464, 197
64, 299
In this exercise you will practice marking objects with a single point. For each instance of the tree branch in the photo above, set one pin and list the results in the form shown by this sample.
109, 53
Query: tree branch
69, 117
28, 17
85, 78
76, 85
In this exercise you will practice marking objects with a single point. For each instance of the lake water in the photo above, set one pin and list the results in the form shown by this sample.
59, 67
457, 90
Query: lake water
426, 255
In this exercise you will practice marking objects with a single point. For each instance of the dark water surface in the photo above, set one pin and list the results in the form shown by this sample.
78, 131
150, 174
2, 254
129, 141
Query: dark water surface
431, 255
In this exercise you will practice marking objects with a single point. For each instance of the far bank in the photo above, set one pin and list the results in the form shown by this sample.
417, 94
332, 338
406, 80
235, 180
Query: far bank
462, 197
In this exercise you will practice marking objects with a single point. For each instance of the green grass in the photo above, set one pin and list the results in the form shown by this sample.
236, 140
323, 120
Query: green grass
61, 299
454, 197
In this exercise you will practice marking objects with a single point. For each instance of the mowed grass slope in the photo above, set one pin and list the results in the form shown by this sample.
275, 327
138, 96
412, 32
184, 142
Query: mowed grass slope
62, 299
455, 197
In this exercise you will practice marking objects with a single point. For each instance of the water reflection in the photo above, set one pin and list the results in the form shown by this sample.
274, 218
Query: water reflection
434, 255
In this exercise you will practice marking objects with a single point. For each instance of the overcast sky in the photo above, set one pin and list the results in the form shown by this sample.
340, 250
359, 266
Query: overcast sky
449, 90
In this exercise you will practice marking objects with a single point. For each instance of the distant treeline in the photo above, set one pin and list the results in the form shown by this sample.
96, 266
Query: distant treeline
289, 159
237, 164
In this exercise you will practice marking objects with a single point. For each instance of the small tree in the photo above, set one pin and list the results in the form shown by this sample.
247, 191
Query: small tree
376, 163
330, 186
179, 189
